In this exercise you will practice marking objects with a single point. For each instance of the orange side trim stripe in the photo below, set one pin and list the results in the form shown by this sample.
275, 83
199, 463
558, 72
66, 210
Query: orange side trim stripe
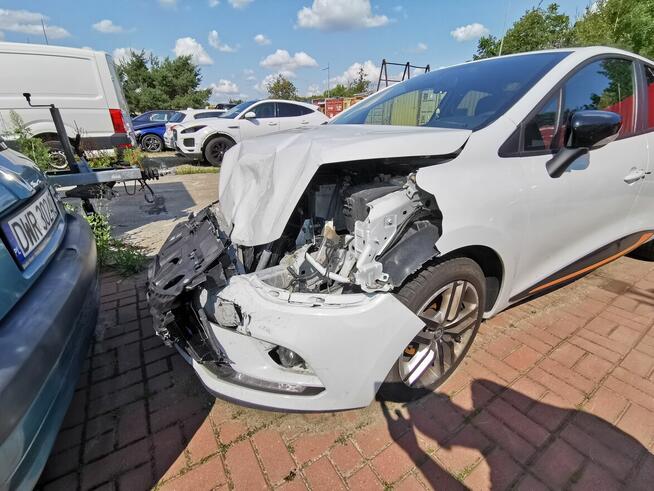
643, 238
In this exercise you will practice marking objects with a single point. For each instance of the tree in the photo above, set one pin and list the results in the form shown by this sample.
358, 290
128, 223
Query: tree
538, 28
281, 87
151, 83
627, 24
360, 84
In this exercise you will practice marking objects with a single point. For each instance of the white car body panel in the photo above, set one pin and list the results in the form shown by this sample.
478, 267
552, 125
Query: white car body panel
277, 168
536, 224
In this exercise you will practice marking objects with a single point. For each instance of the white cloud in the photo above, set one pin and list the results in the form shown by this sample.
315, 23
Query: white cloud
249, 74
282, 61
106, 26
240, 4
370, 70
214, 40
312, 90
469, 32
339, 15
261, 39
224, 87
168, 3
421, 48
27, 22
261, 86
214, 3
188, 46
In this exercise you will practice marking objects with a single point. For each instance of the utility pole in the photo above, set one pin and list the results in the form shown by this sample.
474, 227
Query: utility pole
323, 69
44, 33
506, 19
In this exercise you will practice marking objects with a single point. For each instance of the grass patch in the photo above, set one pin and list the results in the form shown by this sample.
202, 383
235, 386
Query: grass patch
117, 254
186, 169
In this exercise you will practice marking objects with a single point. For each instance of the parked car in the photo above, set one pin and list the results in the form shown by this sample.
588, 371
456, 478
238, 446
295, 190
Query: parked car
48, 309
360, 257
209, 140
186, 116
82, 83
150, 127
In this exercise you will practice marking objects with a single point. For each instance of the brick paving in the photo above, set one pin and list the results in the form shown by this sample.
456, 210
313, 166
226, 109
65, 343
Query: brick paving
556, 393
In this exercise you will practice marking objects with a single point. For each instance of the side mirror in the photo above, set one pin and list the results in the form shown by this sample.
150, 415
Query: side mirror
587, 130
250, 115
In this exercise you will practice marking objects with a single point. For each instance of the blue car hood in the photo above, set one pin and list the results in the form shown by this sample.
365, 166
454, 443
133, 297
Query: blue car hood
143, 126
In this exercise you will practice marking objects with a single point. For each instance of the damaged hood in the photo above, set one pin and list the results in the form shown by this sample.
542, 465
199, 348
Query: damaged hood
262, 179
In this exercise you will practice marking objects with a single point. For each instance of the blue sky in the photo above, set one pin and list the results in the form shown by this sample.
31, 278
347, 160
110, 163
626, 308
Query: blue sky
241, 42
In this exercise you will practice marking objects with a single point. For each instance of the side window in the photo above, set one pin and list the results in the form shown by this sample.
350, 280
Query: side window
541, 129
606, 85
265, 110
159, 117
285, 110
649, 74
212, 114
305, 110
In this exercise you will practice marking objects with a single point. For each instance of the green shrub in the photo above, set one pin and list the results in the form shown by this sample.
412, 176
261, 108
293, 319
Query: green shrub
184, 169
125, 258
101, 162
133, 156
33, 148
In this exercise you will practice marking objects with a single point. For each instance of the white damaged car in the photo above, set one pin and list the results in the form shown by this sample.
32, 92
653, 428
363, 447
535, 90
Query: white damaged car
360, 257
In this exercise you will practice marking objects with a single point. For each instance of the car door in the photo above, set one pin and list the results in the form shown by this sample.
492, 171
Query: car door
293, 115
644, 208
264, 122
583, 218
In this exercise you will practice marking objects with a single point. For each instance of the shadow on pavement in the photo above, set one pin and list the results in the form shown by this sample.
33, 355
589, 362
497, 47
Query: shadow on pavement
578, 445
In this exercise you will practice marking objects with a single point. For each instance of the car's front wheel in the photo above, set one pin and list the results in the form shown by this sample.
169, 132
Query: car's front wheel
216, 148
152, 143
449, 297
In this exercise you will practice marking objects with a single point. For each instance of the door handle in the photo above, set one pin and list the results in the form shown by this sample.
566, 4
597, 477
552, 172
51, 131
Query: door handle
272, 124
635, 175
305, 122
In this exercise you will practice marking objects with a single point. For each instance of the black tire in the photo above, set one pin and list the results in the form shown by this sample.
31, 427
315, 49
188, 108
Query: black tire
215, 149
644, 252
151, 143
57, 157
463, 273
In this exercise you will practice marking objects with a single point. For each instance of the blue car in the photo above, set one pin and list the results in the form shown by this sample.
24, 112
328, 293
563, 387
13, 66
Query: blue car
48, 310
150, 127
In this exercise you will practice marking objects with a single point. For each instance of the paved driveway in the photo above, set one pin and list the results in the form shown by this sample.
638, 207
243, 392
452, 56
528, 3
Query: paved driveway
557, 393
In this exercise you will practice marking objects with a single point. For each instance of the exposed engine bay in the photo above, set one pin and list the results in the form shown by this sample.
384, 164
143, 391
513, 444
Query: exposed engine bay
357, 228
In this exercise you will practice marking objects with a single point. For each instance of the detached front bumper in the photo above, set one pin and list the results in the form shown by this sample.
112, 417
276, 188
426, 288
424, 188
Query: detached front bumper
348, 342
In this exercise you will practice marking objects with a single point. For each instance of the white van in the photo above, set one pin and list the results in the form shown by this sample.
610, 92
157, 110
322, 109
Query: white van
82, 83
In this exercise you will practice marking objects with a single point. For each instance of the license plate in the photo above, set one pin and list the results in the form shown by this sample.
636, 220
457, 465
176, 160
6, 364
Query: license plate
28, 229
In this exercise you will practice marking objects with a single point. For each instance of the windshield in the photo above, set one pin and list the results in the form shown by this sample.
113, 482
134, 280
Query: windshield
236, 110
143, 118
468, 96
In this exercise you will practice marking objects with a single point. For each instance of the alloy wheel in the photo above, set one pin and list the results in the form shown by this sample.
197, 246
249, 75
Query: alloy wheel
151, 143
450, 316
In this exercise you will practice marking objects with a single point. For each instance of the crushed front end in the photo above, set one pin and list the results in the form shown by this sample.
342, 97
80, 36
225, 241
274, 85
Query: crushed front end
306, 322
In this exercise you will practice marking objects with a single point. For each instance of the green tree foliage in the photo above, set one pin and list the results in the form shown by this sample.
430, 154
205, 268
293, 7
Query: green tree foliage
151, 83
538, 28
628, 24
281, 87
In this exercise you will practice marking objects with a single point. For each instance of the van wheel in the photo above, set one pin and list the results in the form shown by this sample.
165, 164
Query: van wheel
215, 150
151, 143
449, 297
57, 157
